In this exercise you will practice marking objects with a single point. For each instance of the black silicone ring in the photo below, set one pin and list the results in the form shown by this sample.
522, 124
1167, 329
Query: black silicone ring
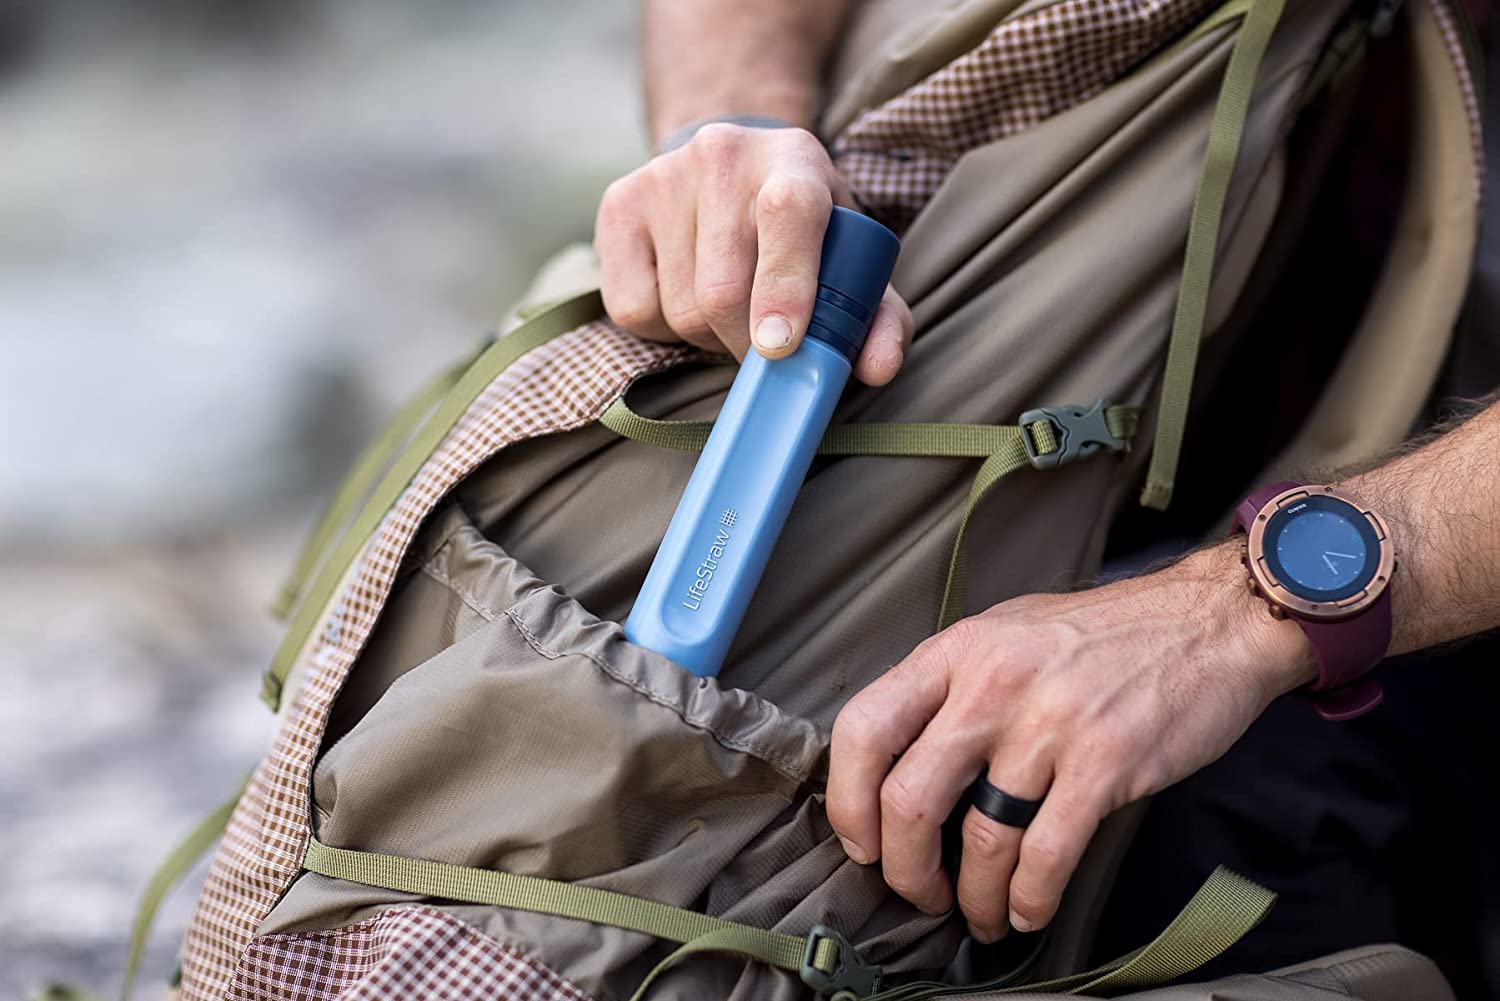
1000, 806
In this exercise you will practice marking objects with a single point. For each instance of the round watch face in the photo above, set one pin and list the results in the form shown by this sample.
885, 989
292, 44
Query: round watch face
1322, 549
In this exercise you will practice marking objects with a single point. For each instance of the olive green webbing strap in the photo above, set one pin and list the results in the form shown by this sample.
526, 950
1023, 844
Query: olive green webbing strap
565, 900
375, 459
998, 464
1225, 132
1000, 446
1225, 908
167, 875
1220, 913
573, 313
955, 441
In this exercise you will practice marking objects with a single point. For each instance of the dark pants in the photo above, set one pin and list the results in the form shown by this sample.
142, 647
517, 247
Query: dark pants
1382, 829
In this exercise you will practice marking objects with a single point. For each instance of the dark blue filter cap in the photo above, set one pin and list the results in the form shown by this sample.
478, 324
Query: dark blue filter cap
859, 255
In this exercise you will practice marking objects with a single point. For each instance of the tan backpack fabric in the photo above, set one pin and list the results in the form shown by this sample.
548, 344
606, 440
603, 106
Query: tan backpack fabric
479, 787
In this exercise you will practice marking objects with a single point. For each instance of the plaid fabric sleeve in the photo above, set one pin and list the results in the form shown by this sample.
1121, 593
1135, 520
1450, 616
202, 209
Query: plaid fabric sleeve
408, 952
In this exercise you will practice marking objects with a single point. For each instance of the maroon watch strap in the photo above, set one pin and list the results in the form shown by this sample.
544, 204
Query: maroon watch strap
1347, 650
1245, 514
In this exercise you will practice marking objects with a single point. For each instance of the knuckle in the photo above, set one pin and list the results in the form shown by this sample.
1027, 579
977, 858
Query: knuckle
793, 195
637, 319
717, 143
961, 644
1041, 855
1056, 712
856, 724
785, 288
1093, 745
614, 203
907, 885
900, 803
631, 313
802, 146
682, 316
724, 298
961, 639
984, 841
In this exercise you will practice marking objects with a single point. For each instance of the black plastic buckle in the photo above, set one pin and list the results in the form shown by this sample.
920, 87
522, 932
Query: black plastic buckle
851, 975
1081, 431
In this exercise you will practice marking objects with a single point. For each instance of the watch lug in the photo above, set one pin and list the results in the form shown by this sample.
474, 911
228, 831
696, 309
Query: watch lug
1277, 612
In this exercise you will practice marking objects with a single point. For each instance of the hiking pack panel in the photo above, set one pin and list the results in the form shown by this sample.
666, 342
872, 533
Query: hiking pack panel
565, 376
546, 497
669, 789
1373, 973
1051, 278
1387, 372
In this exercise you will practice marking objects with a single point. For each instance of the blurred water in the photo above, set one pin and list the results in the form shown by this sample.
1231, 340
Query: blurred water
231, 238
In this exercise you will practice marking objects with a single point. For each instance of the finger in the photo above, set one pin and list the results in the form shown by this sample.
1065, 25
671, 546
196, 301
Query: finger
791, 216
871, 730
627, 262
725, 261
916, 799
885, 348
1051, 849
990, 848
674, 232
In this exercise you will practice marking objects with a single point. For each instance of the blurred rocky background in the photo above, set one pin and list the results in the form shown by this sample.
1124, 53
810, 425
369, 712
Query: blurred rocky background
233, 235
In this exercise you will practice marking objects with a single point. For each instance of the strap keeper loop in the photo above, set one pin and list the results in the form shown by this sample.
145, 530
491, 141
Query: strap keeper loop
1075, 432
831, 966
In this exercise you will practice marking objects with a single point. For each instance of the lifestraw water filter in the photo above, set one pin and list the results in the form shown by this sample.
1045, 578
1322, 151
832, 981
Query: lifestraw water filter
756, 458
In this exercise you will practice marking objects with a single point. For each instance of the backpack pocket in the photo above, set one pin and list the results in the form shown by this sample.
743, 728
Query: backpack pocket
539, 741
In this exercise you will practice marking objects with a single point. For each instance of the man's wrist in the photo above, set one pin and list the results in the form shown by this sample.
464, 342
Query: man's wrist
1276, 650
679, 137
792, 105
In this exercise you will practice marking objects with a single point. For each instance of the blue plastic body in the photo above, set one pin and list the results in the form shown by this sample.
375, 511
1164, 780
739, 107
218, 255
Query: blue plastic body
735, 505
737, 500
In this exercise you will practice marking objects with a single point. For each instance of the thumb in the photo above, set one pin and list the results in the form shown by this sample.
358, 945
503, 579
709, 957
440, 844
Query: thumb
791, 216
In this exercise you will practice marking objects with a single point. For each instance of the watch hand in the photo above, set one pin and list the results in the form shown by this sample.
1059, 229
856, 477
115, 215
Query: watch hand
1331, 567
1347, 556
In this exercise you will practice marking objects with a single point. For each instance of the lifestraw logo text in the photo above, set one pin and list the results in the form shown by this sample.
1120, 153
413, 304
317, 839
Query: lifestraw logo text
703, 574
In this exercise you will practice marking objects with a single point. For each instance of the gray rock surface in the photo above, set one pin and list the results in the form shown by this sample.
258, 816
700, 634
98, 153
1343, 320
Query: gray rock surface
232, 238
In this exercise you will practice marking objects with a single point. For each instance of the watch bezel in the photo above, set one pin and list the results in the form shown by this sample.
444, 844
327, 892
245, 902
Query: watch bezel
1279, 595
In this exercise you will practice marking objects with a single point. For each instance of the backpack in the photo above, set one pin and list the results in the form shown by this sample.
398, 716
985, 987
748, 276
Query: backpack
480, 788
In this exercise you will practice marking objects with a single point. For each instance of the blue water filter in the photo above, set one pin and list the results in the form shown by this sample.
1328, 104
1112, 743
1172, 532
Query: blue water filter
756, 458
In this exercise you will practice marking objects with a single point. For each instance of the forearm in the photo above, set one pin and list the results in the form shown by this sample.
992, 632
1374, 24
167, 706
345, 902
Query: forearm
1093, 699
1442, 502
716, 57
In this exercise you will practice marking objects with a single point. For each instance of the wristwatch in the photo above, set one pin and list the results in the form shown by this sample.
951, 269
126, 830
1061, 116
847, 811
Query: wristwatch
1320, 557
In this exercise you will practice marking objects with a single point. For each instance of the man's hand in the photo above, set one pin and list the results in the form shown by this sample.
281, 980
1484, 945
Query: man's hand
722, 237
1091, 699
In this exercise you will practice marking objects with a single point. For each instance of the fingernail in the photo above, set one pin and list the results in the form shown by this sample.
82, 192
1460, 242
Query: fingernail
773, 333
983, 938
855, 852
1020, 924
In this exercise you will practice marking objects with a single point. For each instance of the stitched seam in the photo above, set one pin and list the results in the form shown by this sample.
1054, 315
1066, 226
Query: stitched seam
786, 767
782, 765
485, 611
